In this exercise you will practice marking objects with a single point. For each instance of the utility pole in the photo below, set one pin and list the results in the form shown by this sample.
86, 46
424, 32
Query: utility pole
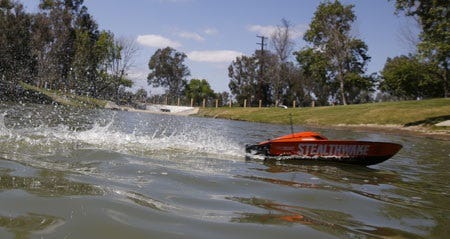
262, 43
261, 84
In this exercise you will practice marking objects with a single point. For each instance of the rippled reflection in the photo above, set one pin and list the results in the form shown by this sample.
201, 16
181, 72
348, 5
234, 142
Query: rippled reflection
48, 183
332, 222
25, 225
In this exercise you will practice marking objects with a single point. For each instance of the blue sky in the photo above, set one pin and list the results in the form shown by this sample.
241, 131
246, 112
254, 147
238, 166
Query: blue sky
213, 32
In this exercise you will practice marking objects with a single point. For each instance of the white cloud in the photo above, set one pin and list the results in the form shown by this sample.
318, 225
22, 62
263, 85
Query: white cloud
191, 35
156, 41
297, 31
263, 30
210, 31
214, 56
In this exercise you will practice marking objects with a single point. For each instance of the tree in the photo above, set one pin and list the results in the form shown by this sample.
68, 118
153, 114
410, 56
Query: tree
409, 78
60, 47
198, 90
249, 82
329, 32
89, 48
16, 61
434, 18
281, 40
62, 15
314, 65
41, 45
168, 70
223, 97
122, 59
293, 85
243, 74
141, 95
285, 84
117, 58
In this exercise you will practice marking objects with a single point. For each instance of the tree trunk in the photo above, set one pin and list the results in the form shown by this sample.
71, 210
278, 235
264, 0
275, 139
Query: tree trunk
341, 82
445, 78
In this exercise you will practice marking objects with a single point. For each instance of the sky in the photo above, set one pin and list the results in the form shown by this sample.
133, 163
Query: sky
212, 33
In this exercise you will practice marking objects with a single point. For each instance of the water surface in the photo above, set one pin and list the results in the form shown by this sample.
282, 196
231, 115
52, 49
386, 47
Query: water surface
68, 173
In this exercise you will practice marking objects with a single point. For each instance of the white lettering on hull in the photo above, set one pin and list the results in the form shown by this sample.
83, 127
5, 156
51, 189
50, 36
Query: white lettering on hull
333, 149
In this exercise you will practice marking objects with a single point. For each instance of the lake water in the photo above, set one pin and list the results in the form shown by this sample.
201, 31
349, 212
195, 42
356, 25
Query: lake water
68, 173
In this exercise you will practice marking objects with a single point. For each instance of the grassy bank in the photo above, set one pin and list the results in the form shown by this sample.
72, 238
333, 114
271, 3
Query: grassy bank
424, 113
63, 98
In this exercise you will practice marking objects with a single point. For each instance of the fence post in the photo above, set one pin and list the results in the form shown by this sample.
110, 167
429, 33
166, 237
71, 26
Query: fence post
165, 102
276, 103
230, 103
260, 103
192, 102
178, 102
204, 102
313, 103
245, 103
293, 104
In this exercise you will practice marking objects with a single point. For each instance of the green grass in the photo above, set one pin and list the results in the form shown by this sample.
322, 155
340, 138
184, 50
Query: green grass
404, 113
66, 98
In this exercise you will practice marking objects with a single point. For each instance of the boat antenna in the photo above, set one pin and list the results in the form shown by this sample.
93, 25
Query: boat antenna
292, 125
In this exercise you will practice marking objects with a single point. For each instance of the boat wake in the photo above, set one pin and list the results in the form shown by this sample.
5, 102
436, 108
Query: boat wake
147, 137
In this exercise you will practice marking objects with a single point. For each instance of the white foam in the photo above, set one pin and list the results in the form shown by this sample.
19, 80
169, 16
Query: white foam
187, 140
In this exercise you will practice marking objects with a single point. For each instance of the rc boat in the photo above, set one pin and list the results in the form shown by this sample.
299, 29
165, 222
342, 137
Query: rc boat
311, 146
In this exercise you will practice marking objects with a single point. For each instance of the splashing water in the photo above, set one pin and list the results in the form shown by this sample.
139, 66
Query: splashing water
61, 132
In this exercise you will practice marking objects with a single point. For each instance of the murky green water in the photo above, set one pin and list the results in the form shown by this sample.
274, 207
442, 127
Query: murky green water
102, 174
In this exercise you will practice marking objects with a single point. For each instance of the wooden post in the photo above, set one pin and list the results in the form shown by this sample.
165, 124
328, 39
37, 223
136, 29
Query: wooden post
165, 102
230, 103
178, 103
245, 103
260, 103
276, 103
192, 102
293, 104
313, 103
217, 103
204, 103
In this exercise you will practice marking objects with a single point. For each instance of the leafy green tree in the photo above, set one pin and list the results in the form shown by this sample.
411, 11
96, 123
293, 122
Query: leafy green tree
434, 18
329, 33
314, 67
141, 95
75, 54
16, 61
198, 90
110, 74
243, 74
41, 44
269, 77
62, 15
292, 85
253, 77
224, 98
168, 70
409, 78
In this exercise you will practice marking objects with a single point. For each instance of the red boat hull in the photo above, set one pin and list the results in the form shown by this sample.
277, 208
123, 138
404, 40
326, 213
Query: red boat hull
314, 147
